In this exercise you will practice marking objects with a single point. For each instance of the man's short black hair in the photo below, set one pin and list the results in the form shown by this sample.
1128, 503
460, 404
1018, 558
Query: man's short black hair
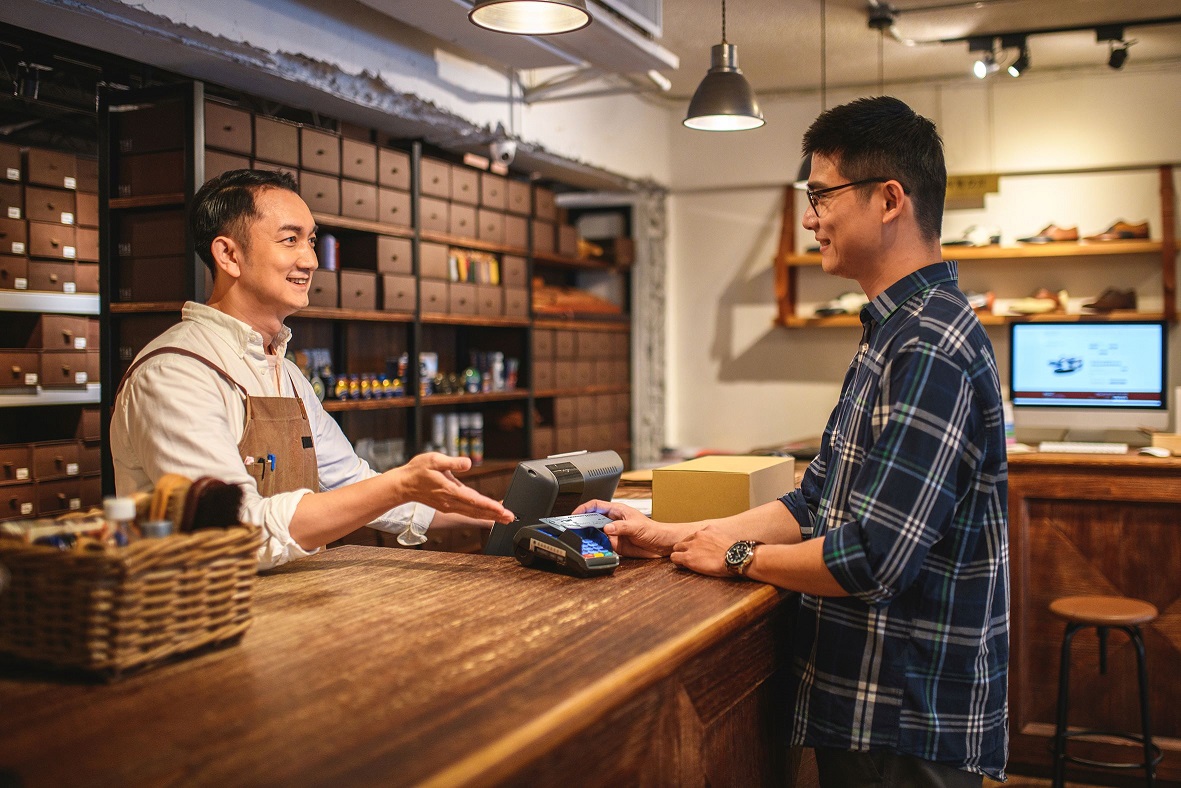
225, 204
882, 137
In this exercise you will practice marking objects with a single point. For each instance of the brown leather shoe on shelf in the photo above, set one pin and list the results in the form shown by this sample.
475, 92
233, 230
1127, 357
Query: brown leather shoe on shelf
1052, 233
1112, 299
1122, 231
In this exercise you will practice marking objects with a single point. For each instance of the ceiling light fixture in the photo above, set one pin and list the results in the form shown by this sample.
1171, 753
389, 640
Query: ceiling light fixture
1021, 44
531, 17
1118, 55
986, 62
724, 101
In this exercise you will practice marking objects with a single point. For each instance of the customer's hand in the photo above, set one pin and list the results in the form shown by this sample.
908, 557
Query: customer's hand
703, 552
632, 534
429, 479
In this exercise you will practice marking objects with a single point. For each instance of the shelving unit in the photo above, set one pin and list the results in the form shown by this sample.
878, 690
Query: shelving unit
788, 263
519, 423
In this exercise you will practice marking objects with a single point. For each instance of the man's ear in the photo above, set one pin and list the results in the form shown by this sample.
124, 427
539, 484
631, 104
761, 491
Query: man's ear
894, 196
227, 255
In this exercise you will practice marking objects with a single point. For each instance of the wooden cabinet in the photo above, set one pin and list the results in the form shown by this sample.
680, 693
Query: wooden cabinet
790, 264
448, 284
1093, 525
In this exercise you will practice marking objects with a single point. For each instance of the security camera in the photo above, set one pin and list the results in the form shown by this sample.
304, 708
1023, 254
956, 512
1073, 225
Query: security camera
504, 151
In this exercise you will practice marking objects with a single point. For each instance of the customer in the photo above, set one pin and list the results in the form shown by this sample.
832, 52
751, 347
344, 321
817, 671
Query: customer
214, 396
897, 538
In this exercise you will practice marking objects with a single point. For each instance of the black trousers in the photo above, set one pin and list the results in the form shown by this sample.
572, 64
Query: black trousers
845, 769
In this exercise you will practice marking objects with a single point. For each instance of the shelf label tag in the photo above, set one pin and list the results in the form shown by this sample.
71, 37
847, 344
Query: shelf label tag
22, 474
70, 183
71, 469
969, 190
69, 287
69, 252
14, 212
20, 283
75, 504
67, 217
26, 507
79, 343
30, 378
79, 377
14, 174
18, 247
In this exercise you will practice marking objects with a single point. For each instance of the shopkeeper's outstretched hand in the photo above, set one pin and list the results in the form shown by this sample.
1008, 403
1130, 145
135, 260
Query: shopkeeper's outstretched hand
632, 534
429, 478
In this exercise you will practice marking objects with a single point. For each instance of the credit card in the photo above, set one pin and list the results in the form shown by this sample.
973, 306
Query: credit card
573, 521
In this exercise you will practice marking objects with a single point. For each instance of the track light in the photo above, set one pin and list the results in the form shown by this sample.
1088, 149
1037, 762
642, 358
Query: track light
1118, 55
1018, 66
531, 17
724, 101
986, 64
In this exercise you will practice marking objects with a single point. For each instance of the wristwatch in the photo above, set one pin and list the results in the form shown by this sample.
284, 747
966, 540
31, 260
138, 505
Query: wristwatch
739, 556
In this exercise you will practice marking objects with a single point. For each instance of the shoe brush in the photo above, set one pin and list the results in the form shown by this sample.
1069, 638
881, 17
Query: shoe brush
211, 503
168, 499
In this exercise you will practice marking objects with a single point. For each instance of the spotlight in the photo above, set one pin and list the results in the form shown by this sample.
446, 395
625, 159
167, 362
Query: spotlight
1018, 66
28, 79
1119, 55
985, 65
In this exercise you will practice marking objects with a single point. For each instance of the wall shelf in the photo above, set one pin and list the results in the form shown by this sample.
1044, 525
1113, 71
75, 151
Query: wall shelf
334, 313
549, 258
51, 396
145, 307
387, 403
56, 303
466, 399
581, 390
1022, 251
475, 320
149, 201
363, 225
471, 243
621, 323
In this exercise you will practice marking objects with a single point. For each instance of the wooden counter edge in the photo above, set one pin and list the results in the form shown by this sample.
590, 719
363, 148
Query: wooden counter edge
505, 756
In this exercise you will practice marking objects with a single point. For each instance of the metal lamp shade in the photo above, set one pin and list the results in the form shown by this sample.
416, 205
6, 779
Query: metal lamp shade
531, 17
724, 100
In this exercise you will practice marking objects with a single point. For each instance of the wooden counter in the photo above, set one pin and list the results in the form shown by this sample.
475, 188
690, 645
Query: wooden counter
398, 667
1093, 524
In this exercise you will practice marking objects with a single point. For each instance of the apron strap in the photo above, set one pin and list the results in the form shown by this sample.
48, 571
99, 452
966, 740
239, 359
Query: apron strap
181, 352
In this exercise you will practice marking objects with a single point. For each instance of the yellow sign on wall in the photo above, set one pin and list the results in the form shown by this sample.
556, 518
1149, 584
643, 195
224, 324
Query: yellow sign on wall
968, 187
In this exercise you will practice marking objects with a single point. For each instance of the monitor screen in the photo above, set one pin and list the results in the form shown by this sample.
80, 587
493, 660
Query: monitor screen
1110, 375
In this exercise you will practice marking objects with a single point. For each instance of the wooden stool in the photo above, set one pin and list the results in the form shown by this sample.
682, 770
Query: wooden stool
1103, 613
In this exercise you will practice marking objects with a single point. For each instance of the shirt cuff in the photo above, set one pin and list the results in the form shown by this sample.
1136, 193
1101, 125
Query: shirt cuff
396, 520
845, 557
274, 517
798, 506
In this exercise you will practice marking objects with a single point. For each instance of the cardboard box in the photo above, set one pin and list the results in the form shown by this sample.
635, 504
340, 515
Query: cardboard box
1167, 440
718, 486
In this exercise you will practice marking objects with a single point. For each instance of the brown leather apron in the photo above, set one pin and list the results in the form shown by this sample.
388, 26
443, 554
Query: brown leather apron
276, 445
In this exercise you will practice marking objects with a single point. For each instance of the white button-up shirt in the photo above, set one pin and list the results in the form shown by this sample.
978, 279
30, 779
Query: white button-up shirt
175, 415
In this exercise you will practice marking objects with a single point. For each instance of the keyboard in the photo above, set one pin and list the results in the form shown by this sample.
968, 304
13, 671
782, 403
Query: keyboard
1081, 447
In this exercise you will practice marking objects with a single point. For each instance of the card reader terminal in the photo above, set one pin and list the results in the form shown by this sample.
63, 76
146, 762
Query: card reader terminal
573, 543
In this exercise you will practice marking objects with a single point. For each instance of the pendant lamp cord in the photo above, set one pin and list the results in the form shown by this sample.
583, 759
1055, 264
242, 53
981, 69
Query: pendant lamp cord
723, 21
823, 58
882, 62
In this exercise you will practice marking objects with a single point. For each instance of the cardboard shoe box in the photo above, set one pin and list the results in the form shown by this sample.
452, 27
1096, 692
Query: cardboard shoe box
718, 486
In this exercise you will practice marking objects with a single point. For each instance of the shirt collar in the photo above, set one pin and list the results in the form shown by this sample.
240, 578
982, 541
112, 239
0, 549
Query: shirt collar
887, 303
240, 336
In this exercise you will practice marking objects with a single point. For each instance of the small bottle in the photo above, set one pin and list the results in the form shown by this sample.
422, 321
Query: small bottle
156, 529
438, 430
120, 516
476, 438
498, 371
465, 435
326, 251
452, 435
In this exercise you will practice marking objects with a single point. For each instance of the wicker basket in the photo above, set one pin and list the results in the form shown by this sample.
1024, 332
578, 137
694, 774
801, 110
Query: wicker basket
112, 610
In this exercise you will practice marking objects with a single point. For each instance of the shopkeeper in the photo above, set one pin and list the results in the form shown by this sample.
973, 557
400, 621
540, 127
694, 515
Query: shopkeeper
214, 395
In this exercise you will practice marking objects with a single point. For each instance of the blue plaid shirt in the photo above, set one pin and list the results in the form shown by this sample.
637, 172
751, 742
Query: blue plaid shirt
909, 493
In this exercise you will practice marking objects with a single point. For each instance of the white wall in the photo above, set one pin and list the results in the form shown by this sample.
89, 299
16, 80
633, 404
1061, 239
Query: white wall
737, 381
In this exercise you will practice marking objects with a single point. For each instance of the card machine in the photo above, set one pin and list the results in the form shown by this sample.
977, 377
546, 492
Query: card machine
574, 544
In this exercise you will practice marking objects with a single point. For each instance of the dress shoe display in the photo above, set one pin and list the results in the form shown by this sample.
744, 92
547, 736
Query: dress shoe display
1122, 231
1052, 233
1040, 303
976, 236
1112, 299
980, 301
844, 304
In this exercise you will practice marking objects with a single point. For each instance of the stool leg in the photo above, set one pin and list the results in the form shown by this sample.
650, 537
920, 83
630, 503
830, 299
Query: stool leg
1145, 725
1063, 705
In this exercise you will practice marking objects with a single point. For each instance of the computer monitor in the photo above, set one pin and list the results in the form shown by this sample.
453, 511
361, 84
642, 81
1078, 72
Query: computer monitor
554, 486
1089, 379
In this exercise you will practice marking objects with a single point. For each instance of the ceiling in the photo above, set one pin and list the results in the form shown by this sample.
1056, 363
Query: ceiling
779, 40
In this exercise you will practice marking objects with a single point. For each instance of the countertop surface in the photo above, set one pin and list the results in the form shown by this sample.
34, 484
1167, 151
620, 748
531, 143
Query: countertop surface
379, 665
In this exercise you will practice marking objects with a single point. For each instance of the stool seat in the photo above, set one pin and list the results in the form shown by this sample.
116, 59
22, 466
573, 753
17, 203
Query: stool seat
1104, 611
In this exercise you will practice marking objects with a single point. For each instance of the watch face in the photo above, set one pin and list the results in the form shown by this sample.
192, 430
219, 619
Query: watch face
738, 554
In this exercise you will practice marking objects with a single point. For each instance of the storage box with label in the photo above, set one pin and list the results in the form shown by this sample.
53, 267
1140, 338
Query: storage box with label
718, 486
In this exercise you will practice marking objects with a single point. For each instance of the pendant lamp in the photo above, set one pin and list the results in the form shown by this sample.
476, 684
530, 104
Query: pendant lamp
531, 17
724, 100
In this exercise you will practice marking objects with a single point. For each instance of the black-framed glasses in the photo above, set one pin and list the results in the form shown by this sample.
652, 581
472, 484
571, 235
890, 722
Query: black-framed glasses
814, 194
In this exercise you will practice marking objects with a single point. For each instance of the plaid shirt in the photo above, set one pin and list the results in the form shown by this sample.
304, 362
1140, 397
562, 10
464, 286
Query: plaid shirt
909, 493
